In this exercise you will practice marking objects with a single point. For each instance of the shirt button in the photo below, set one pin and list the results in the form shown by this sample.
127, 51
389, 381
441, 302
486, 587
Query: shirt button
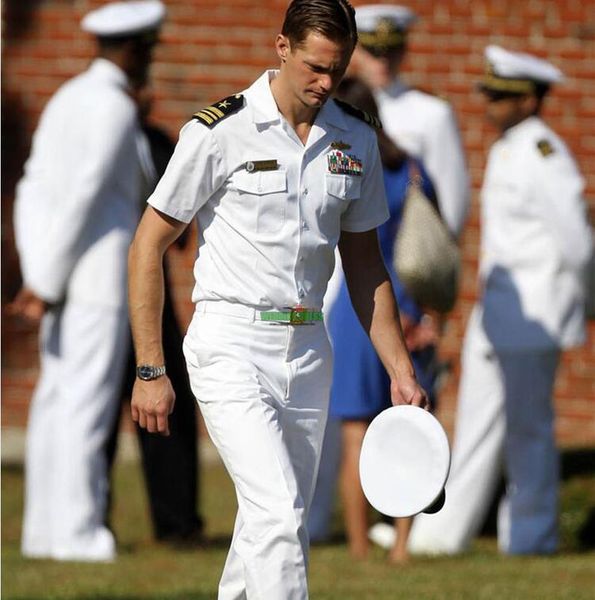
304, 225
305, 192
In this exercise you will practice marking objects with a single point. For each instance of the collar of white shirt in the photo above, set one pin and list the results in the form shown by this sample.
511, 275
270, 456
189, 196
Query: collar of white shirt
109, 71
520, 130
264, 108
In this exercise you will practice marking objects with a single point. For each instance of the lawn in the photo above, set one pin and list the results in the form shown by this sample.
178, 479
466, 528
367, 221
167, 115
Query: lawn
147, 571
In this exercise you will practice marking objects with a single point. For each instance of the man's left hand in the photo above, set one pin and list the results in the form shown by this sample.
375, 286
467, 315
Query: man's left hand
405, 390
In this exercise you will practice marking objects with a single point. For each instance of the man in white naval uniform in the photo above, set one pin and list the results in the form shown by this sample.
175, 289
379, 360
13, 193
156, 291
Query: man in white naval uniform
422, 124
425, 127
276, 177
535, 244
76, 209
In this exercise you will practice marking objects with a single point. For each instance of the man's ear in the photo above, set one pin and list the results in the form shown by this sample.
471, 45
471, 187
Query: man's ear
282, 46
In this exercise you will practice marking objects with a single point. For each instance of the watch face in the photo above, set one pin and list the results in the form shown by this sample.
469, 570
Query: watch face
149, 372
145, 372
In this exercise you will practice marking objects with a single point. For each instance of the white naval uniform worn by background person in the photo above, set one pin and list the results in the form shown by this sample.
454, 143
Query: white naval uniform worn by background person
75, 213
535, 243
266, 241
425, 127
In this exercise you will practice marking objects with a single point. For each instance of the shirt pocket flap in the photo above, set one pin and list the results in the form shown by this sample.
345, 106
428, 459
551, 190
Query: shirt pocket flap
343, 186
261, 182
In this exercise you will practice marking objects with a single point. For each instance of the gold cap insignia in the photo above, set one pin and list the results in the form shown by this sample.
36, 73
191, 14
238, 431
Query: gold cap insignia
545, 147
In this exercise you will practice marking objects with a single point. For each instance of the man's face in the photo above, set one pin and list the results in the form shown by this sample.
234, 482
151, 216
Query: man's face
504, 111
314, 68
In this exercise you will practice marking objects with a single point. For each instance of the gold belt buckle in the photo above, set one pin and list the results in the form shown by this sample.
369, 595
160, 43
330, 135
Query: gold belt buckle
297, 314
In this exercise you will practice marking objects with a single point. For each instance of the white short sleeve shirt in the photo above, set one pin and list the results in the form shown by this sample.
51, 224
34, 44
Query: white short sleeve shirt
270, 209
536, 240
425, 126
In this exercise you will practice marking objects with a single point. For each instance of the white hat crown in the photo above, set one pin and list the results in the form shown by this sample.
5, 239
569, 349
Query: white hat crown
519, 65
368, 16
120, 19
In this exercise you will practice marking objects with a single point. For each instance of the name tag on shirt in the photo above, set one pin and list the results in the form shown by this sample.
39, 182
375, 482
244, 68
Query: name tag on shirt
261, 165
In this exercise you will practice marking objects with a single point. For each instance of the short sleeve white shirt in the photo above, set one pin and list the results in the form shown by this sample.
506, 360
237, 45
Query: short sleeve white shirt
536, 241
267, 237
425, 126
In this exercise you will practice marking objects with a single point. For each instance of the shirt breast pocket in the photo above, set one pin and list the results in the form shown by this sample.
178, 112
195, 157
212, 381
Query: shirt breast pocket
266, 191
341, 190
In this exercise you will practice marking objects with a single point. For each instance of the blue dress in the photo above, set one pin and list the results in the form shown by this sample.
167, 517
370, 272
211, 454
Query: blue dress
361, 386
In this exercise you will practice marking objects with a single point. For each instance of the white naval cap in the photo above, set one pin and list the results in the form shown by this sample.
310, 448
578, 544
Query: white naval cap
516, 72
404, 462
124, 19
383, 27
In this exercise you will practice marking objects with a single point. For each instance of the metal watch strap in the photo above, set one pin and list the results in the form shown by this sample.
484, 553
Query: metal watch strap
149, 372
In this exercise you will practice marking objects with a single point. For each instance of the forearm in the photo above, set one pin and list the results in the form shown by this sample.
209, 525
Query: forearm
145, 300
154, 235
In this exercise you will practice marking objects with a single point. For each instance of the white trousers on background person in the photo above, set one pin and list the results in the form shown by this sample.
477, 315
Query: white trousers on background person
263, 390
504, 420
325, 493
83, 352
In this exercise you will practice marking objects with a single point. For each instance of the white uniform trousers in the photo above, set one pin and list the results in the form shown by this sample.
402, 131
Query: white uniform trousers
82, 360
263, 391
504, 419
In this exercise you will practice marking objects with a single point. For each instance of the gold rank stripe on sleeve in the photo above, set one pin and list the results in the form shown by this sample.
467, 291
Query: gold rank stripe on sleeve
211, 115
359, 114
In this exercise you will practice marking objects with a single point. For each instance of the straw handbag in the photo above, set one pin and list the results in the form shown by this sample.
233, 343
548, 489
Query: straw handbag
426, 257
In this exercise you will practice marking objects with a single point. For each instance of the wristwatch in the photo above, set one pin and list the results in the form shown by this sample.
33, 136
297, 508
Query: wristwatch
149, 372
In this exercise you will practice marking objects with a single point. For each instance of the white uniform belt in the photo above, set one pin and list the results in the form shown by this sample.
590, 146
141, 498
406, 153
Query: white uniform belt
297, 315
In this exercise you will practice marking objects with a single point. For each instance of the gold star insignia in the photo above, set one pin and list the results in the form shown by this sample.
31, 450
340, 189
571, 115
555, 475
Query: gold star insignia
224, 104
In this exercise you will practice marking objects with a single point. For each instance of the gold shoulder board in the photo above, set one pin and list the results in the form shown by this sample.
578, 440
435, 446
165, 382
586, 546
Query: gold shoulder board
359, 114
211, 115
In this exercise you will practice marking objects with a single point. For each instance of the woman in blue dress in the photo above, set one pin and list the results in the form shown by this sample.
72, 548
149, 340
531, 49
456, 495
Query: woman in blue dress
361, 386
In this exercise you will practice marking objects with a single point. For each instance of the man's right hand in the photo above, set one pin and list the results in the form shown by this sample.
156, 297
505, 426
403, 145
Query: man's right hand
151, 404
28, 305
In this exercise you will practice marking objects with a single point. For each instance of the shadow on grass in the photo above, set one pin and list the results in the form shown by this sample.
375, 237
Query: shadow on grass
179, 595
14, 468
335, 539
219, 542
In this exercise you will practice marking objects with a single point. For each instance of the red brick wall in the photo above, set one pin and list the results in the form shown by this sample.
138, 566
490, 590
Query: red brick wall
211, 50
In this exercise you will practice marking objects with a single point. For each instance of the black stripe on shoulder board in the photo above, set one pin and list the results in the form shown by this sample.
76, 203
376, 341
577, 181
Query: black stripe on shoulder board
359, 114
211, 115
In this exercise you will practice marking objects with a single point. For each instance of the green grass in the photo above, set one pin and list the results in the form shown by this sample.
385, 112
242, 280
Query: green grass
147, 571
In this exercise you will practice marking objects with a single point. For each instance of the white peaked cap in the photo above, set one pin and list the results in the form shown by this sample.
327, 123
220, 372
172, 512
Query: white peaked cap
518, 65
404, 461
368, 16
121, 19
